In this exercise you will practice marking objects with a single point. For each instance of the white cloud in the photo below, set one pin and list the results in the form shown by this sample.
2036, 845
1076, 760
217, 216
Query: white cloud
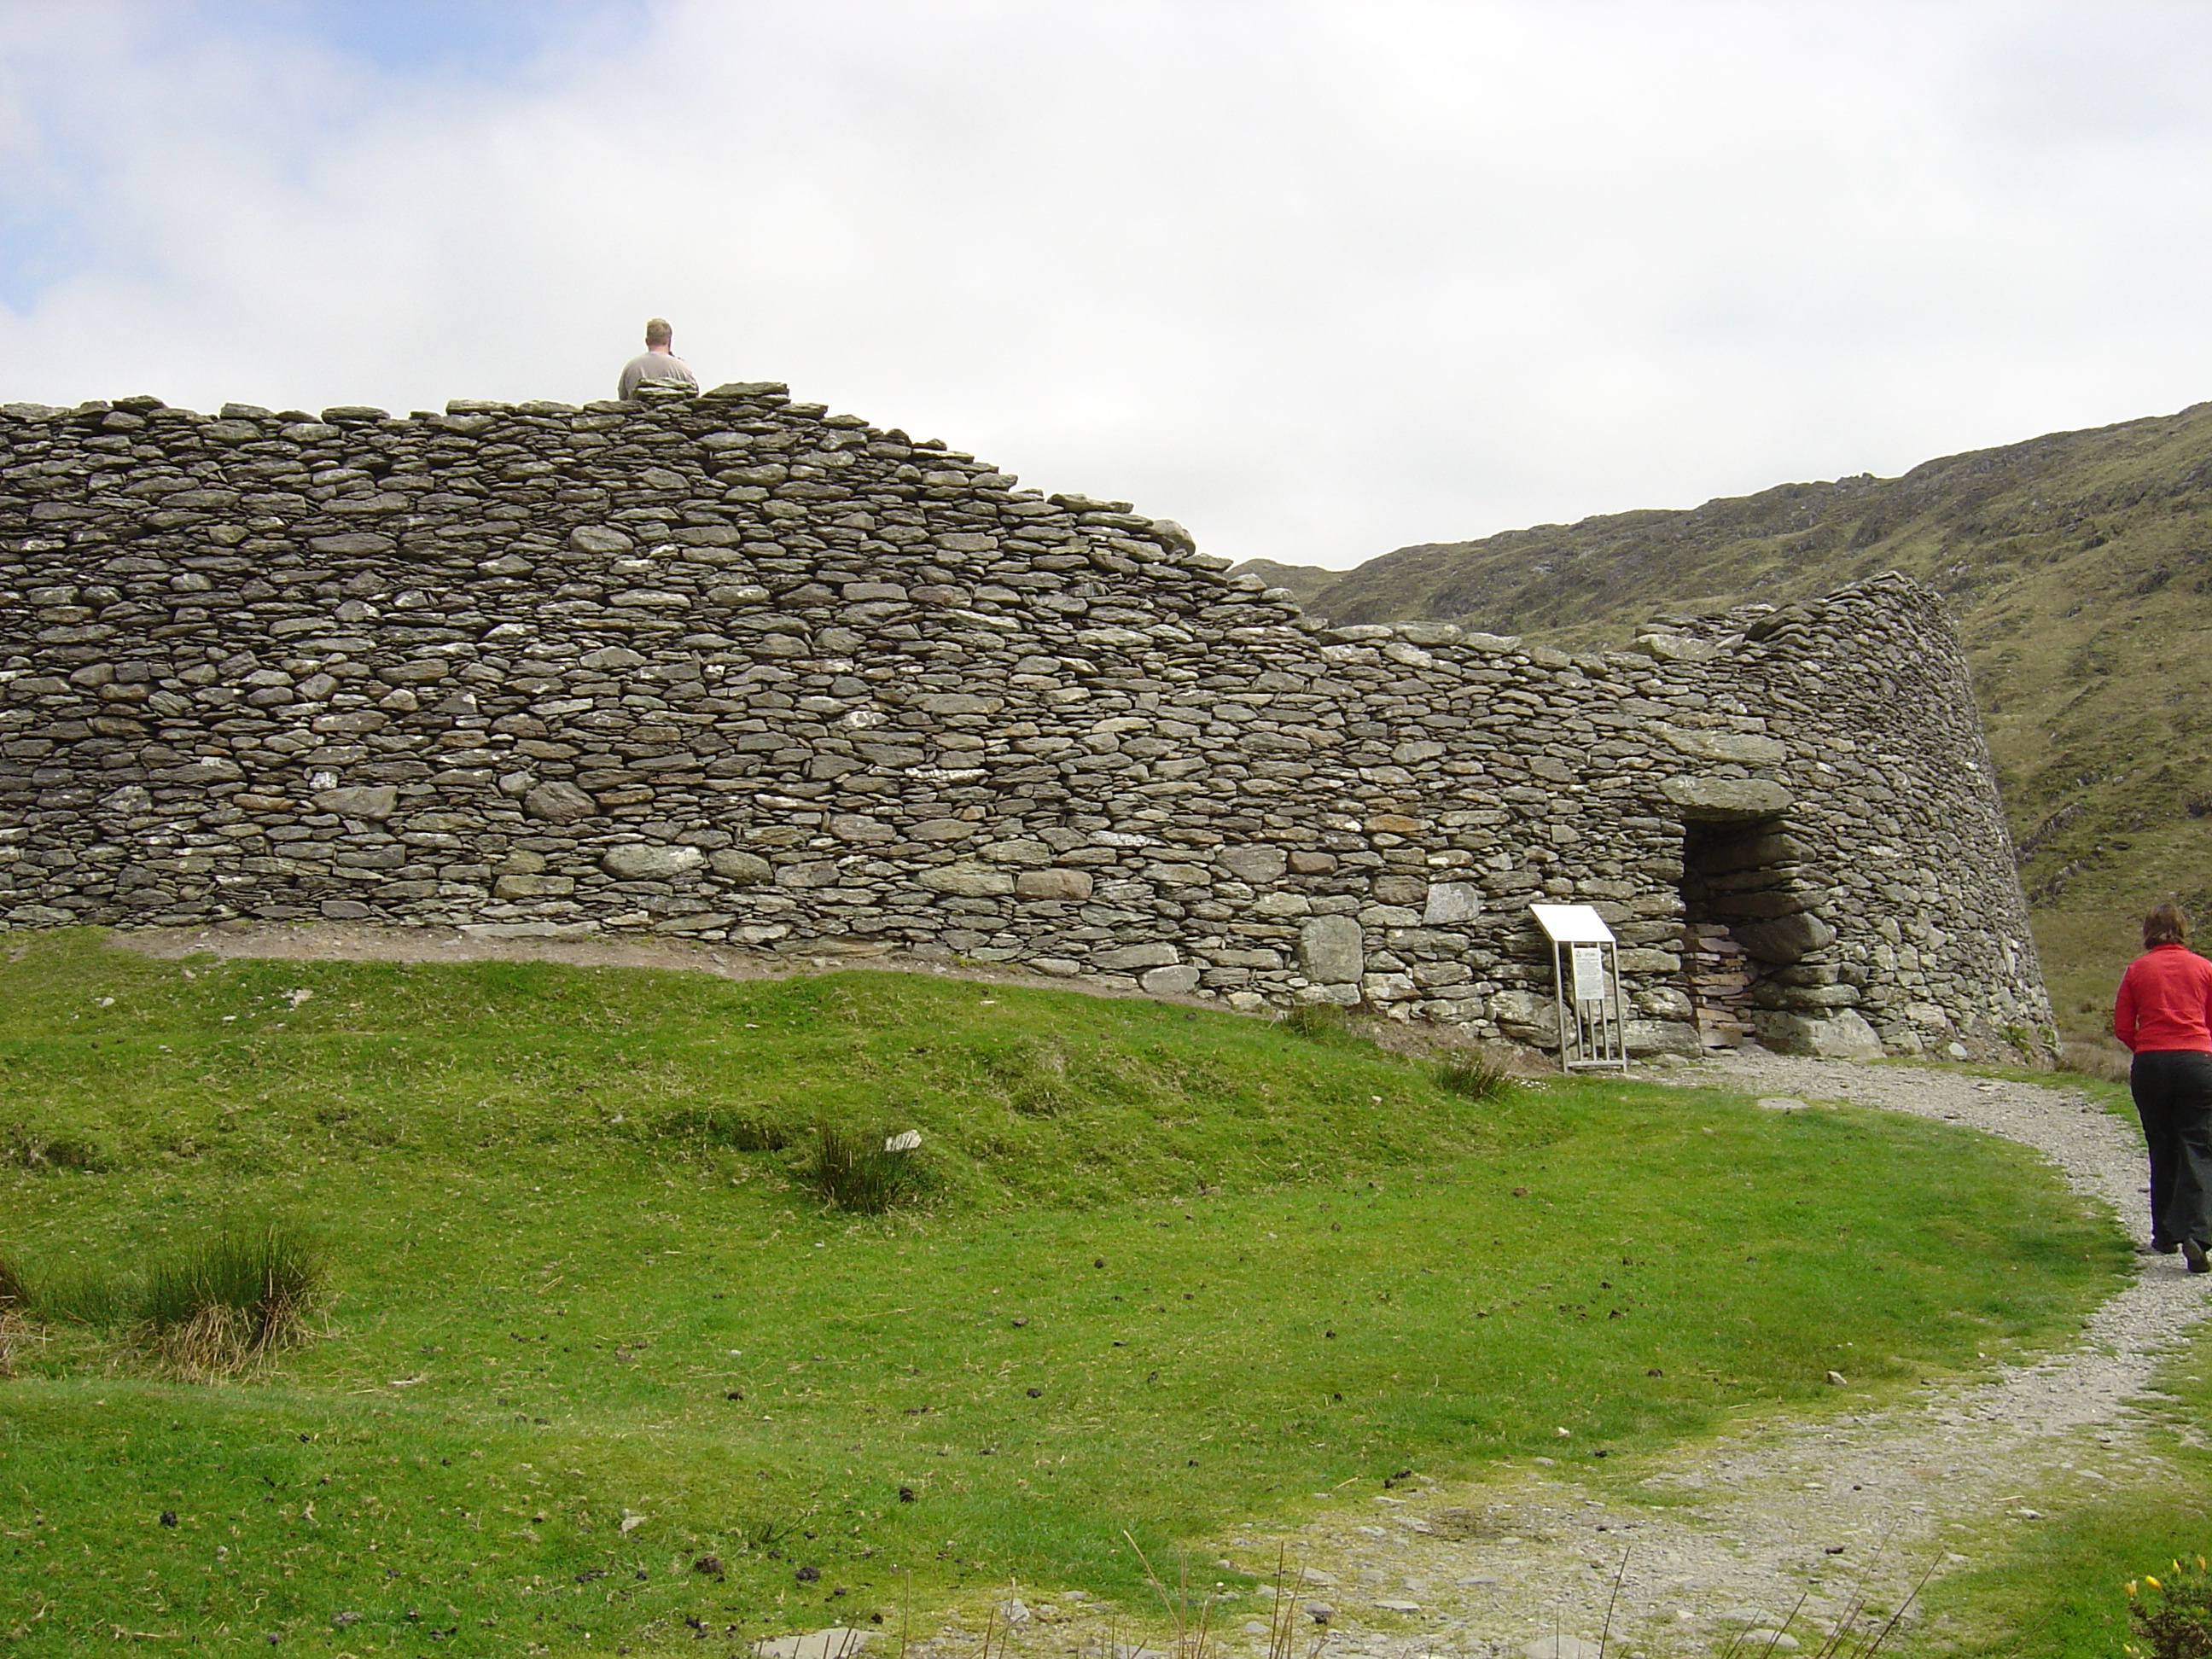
1317, 279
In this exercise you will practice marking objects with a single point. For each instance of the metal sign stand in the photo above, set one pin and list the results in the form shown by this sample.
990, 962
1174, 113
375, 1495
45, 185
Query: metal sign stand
1586, 987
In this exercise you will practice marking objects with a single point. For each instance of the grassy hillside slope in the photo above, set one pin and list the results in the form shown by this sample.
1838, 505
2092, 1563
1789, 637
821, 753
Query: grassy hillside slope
2079, 565
599, 1377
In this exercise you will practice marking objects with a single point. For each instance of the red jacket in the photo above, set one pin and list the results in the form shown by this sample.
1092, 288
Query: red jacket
2165, 1002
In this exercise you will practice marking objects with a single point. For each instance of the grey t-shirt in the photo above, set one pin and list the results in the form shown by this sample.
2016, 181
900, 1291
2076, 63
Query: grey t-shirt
656, 368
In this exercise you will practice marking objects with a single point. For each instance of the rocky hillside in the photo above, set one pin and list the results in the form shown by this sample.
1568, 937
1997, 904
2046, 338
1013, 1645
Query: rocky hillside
2080, 566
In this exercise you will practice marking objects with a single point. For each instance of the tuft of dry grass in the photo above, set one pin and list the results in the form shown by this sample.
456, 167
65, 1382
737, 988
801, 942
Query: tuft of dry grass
1323, 1023
231, 1301
1475, 1075
860, 1172
16, 1331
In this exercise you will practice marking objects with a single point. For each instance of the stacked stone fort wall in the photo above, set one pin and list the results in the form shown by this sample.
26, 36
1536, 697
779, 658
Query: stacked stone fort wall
734, 668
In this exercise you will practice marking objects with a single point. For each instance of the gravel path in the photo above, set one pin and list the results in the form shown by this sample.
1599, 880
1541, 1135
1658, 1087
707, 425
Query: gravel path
1843, 1507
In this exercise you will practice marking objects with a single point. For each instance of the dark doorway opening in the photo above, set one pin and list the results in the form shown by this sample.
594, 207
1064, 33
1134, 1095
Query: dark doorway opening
1734, 871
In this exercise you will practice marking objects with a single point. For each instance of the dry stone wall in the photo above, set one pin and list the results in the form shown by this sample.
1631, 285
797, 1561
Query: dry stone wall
735, 668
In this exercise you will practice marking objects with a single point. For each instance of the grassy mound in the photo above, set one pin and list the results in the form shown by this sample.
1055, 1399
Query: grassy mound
596, 1325
1022, 1098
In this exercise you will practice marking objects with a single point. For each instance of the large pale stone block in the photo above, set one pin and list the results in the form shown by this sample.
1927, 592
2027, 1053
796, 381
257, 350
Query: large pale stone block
1726, 798
1451, 901
1331, 950
1842, 1035
646, 861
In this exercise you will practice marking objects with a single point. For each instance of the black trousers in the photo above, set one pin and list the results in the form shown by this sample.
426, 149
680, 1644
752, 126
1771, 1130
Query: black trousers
2173, 1097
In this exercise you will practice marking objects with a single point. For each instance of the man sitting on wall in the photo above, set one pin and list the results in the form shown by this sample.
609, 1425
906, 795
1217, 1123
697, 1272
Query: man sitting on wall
657, 365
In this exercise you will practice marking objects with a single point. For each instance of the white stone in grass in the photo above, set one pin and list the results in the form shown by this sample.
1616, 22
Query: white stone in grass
835, 1643
905, 1140
1764, 1641
1561, 1647
1782, 1102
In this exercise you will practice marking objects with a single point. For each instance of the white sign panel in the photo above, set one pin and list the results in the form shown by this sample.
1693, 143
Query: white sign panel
1590, 973
1571, 924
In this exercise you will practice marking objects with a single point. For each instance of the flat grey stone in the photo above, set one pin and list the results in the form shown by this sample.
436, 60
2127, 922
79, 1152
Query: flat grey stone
1254, 862
1677, 648
1663, 1037
1560, 1647
599, 539
1747, 748
558, 802
1527, 1015
646, 861
835, 1642
1123, 957
1331, 949
1840, 1035
351, 544
1449, 901
1067, 884
1784, 939
530, 929
968, 880
375, 802
1723, 798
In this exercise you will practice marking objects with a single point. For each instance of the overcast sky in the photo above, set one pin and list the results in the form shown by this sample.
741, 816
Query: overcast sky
1317, 279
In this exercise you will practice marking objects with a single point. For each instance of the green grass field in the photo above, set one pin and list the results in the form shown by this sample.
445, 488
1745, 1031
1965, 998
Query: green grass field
1168, 1270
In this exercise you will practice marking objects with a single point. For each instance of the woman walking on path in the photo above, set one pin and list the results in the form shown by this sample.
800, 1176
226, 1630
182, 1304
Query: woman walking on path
2163, 1015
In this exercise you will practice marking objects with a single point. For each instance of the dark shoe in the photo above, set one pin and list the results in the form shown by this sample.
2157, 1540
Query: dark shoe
2192, 1252
2156, 1247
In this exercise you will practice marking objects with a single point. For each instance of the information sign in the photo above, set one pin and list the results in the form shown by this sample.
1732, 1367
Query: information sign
1590, 973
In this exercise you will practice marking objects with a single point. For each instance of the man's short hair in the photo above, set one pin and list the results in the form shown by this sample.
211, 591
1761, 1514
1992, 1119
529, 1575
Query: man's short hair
657, 333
